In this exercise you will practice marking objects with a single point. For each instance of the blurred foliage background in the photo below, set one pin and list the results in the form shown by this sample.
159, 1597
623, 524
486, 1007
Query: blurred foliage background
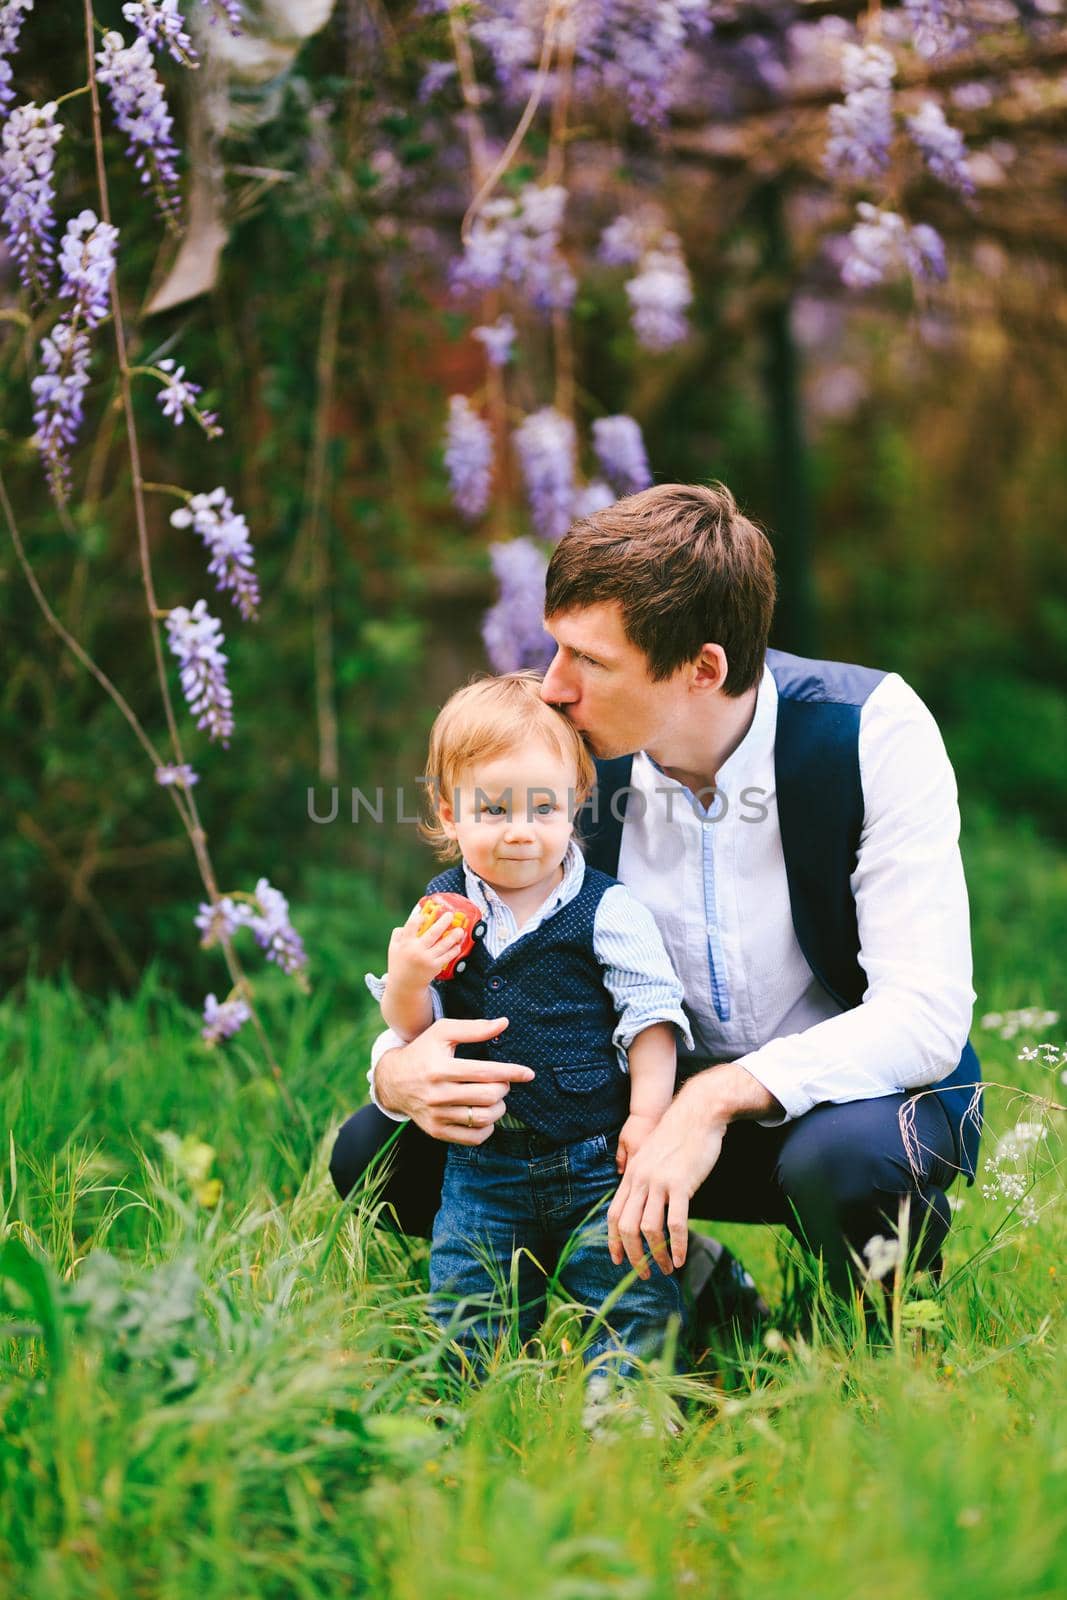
915, 483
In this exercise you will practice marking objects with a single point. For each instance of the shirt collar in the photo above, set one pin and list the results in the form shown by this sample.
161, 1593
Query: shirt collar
484, 895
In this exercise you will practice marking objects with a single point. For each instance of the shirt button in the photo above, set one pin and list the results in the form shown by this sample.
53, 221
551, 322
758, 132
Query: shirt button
496, 983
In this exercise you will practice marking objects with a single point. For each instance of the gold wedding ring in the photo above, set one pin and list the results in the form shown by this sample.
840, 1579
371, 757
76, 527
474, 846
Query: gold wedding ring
470, 1116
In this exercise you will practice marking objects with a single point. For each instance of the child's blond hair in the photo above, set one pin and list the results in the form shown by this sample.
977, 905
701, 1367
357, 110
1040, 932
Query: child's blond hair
489, 718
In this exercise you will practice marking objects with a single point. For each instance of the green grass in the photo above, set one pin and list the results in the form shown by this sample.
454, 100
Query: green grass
248, 1398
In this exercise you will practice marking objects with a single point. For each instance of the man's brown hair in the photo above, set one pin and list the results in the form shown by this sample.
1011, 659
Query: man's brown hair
686, 567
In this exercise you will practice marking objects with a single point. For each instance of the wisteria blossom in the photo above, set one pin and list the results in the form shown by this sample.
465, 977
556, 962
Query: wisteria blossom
225, 534
937, 26
59, 401
27, 191
513, 629
195, 639
468, 456
140, 111
620, 449
181, 776
545, 444
12, 15
660, 295
86, 262
882, 245
498, 338
434, 79
274, 932
942, 147
593, 497
179, 395
622, 242
511, 36
86, 259
162, 24
222, 1019
861, 129
634, 49
222, 919
229, 11
518, 241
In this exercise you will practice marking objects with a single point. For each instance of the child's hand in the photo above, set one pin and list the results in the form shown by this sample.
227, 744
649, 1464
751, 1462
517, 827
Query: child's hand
414, 960
635, 1131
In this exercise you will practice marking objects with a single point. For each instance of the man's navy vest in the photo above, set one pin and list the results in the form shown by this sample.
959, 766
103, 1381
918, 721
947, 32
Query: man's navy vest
550, 986
820, 813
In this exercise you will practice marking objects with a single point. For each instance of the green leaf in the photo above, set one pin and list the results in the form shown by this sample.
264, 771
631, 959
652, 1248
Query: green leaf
35, 1279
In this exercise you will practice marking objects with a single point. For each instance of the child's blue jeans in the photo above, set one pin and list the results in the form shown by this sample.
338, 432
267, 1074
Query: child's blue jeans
517, 1192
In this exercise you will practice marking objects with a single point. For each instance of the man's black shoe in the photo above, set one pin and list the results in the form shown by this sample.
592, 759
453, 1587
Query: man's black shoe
721, 1293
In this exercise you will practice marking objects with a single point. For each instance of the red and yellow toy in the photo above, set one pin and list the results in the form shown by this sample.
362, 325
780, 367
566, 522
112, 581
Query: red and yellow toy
465, 915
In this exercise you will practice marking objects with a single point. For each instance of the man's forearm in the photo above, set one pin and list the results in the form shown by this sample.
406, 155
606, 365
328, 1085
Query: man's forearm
727, 1093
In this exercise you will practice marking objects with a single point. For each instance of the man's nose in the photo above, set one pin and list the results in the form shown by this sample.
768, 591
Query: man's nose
554, 689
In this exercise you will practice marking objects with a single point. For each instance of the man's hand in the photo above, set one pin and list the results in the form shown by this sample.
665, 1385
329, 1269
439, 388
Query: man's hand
672, 1163
455, 1100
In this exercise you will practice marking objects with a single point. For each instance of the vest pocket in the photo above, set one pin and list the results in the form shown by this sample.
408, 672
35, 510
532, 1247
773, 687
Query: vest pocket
584, 1079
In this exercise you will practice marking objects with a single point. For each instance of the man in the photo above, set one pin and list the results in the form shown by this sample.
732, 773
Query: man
793, 827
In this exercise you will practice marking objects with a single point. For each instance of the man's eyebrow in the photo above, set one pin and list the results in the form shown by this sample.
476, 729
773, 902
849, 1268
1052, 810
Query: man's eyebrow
575, 650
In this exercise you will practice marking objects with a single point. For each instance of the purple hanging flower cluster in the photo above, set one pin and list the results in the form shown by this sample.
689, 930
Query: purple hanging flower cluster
195, 639
660, 291
620, 449
861, 130
498, 338
937, 26
59, 400
27, 191
883, 246
225, 534
178, 396
468, 456
632, 49
635, 49
183, 776
163, 26
221, 920
434, 79
512, 39
141, 113
12, 15
229, 11
222, 1019
545, 444
266, 913
593, 497
517, 241
512, 629
86, 260
942, 147
660, 294
274, 932
622, 242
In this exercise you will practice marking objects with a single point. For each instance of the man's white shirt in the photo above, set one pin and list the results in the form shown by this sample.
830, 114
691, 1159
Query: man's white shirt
714, 879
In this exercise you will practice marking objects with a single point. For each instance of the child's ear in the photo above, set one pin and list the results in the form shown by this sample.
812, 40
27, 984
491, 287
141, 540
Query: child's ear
447, 818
